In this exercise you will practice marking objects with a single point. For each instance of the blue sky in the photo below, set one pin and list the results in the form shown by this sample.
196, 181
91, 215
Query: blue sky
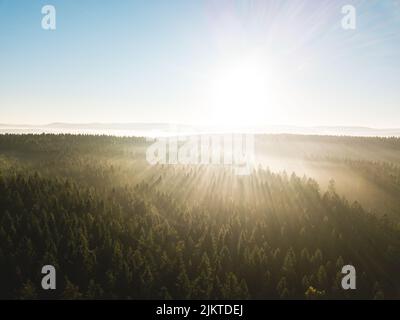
251, 61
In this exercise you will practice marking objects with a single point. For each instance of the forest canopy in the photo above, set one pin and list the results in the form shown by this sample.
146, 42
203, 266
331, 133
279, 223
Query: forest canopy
115, 227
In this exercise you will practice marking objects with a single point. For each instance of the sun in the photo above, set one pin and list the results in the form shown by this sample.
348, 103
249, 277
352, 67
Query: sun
243, 92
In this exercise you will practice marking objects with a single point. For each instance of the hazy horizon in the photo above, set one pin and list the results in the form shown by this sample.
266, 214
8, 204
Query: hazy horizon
169, 129
108, 123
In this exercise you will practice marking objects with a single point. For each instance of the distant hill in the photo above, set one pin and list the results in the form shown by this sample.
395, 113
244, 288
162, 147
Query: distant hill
155, 129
